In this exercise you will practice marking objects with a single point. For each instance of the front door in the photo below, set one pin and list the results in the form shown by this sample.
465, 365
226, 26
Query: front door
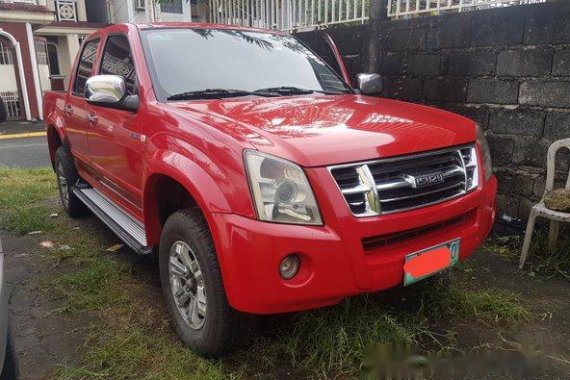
76, 109
116, 143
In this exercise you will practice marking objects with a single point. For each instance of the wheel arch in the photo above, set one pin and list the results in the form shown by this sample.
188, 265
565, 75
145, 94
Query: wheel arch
55, 138
170, 187
54, 142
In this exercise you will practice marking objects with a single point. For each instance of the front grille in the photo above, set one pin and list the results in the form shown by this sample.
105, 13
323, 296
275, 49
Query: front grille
407, 182
383, 241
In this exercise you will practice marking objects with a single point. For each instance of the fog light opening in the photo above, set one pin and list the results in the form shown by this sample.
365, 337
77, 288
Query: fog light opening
289, 267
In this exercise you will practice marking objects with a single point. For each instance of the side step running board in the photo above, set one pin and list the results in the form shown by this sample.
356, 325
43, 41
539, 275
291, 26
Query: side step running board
123, 225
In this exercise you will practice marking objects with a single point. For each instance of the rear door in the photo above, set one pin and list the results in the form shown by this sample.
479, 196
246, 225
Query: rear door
76, 108
116, 143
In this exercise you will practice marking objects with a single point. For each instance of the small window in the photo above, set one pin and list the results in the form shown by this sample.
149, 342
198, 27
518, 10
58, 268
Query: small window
85, 68
117, 60
171, 6
139, 4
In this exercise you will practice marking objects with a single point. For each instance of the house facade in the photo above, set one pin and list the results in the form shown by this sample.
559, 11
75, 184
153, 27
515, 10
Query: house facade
39, 40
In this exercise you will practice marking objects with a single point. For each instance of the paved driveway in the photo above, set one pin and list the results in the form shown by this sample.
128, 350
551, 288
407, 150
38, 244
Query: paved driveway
30, 152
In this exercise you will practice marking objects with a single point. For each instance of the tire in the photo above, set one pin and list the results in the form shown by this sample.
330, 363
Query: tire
219, 329
67, 177
9, 372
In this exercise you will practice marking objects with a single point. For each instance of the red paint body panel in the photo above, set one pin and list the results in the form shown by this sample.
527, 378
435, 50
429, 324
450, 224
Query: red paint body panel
200, 145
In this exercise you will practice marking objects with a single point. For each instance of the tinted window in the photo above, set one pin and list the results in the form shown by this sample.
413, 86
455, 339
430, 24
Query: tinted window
85, 68
196, 59
117, 60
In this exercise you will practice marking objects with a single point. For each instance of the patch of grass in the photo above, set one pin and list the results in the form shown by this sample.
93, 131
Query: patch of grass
550, 262
338, 339
22, 220
95, 284
136, 353
542, 260
494, 306
508, 249
20, 196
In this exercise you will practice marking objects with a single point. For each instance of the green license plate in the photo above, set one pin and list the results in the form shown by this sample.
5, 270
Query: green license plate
429, 261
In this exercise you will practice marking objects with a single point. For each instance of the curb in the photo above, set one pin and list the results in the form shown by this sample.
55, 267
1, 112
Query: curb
22, 135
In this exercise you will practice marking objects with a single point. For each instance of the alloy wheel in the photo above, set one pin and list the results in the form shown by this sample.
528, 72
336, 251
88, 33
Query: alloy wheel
187, 284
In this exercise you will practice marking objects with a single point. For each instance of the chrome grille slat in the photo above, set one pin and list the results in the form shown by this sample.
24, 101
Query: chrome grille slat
359, 189
391, 185
459, 184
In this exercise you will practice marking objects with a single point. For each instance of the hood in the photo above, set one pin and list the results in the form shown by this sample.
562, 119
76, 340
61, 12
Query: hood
325, 130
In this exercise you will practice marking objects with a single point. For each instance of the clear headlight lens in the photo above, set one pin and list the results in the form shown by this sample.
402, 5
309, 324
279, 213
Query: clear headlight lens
280, 190
486, 152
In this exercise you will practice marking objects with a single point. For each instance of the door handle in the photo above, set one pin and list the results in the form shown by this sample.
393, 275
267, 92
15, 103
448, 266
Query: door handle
68, 109
92, 118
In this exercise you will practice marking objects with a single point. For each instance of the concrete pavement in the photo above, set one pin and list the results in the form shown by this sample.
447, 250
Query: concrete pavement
18, 129
31, 152
23, 144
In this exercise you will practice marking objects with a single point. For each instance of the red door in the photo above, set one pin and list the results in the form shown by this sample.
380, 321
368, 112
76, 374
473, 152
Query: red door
115, 141
76, 109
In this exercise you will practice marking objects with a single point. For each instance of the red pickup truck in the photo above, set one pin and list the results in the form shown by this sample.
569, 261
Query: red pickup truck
261, 178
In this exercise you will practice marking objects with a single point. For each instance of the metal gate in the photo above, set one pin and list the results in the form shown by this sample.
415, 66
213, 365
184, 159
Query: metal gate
288, 15
13, 105
9, 88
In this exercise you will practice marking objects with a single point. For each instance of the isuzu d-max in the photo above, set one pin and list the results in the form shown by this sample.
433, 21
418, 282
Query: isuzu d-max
261, 178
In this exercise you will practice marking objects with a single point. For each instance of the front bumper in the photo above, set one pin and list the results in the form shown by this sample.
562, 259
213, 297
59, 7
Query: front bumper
334, 262
3, 311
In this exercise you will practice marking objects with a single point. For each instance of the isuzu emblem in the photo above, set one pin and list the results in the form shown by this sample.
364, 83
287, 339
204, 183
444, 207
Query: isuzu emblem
425, 180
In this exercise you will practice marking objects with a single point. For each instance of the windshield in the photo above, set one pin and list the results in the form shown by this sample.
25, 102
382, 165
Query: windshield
183, 61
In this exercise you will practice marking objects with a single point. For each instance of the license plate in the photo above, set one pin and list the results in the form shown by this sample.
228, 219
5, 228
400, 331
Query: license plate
429, 261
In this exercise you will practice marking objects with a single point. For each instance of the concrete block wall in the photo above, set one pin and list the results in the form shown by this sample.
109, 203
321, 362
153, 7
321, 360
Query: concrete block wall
508, 69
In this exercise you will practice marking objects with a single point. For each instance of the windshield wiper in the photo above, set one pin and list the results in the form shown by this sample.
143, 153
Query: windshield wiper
290, 90
210, 93
284, 90
219, 93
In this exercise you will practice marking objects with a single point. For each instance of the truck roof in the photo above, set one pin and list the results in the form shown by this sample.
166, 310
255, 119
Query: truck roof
201, 25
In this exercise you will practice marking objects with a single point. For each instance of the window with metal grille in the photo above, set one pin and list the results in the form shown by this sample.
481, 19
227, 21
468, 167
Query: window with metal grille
12, 104
85, 67
41, 52
118, 60
5, 55
173, 6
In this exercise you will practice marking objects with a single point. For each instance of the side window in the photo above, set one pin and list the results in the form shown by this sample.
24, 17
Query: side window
85, 68
117, 60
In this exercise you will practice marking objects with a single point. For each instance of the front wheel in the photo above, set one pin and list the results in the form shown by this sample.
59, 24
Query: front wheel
67, 177
193, 287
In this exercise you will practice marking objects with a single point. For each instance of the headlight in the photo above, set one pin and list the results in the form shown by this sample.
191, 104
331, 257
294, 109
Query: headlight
486, 152
280, 190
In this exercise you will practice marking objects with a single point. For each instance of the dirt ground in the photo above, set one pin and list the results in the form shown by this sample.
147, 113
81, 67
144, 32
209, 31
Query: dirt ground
45, 340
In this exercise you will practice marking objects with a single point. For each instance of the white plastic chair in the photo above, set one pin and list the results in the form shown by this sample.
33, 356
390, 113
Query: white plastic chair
540, 209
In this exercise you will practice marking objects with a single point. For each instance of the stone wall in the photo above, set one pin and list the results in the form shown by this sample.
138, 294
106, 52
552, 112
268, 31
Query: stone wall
508, 69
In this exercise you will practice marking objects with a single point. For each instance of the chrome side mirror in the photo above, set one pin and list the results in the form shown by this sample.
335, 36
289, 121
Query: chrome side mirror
369, 84
110, 91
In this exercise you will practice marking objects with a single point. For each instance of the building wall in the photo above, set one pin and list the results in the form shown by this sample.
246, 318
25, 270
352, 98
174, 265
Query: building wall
508, 69
18, 30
